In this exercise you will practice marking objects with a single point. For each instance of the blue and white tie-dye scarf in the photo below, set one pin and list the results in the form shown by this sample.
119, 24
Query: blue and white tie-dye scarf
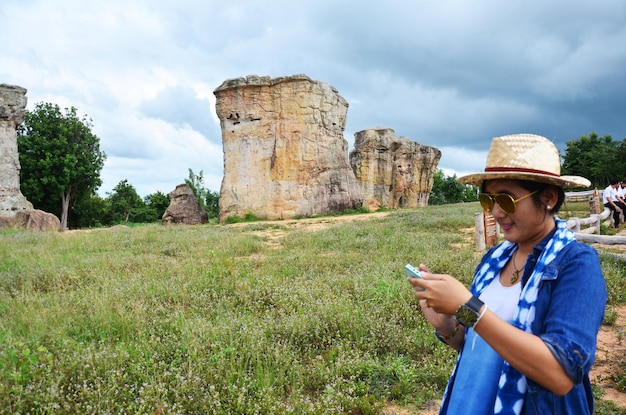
512, 385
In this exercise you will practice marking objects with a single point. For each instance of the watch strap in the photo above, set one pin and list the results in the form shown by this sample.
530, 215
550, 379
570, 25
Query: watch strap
468, 314
475, 304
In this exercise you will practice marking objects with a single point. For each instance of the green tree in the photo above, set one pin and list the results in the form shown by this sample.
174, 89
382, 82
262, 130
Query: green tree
125, 204
196, 183
157, 203
436, 193
60, 159
448, 190
212, 203
596, 158
208, 199
621, 158
91, 212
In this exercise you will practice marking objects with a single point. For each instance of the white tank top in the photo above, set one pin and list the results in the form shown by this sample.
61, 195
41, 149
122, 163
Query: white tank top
502, 300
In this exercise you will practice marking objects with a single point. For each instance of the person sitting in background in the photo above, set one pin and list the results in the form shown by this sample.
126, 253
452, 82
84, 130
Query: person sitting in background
621, 194
621, 199
526, 329
611, 201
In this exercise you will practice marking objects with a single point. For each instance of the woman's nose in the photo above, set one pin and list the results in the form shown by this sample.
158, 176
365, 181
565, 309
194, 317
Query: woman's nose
497, 211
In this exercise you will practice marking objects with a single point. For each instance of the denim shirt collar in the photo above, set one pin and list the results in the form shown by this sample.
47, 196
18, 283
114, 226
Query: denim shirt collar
532, 258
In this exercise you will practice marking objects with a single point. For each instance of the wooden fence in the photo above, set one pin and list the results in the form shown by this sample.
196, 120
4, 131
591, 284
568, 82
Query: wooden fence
581, 196
591, 233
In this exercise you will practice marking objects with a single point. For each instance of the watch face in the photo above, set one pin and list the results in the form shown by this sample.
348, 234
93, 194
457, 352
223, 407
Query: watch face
466, 316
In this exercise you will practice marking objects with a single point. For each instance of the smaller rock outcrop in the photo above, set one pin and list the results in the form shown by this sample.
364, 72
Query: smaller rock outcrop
393, 171
32, 220
184, 208
36, 220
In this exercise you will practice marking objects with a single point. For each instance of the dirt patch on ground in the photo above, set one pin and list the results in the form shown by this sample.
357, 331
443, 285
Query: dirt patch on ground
611, 352
313, 224
273, 235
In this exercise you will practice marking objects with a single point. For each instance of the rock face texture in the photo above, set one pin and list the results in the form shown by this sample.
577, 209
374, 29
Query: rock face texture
15, 210
284, 151
12, 106
36, 220
184, 208
393, 171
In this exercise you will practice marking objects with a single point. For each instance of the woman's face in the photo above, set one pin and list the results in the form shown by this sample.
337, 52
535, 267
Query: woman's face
530, 223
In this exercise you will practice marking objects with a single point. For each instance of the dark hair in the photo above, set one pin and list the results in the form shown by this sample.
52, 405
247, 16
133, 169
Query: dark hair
614, 180
540, 187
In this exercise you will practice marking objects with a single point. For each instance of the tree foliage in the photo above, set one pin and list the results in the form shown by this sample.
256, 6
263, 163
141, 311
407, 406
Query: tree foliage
596, 158
90, 212
125, 204
447, 190
212, 204
208, 199
157, 203
60, 159
196, 183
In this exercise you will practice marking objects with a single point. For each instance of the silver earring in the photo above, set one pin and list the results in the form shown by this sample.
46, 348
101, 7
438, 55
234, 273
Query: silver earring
549, 207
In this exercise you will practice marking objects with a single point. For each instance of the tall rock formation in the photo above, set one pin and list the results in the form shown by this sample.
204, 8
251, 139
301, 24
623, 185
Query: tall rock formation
393, 171
12, 106
284, 151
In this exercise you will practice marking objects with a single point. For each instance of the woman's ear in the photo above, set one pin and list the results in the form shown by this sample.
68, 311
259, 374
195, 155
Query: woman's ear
549, 197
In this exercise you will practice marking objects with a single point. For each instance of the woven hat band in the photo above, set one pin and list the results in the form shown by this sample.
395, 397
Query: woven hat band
519, 170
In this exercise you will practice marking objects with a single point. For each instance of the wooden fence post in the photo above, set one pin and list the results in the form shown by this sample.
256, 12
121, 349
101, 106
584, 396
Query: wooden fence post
487, 231
479, 224
491, 230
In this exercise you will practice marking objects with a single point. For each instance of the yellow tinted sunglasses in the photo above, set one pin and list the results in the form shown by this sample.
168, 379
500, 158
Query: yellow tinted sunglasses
505, 201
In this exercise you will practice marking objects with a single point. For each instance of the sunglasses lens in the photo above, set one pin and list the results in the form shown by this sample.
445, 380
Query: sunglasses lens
486, 202
506, 203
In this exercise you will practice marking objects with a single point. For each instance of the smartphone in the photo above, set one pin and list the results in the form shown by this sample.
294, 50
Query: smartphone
412, 272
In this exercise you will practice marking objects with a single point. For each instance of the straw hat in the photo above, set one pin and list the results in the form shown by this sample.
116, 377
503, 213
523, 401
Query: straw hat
524, 157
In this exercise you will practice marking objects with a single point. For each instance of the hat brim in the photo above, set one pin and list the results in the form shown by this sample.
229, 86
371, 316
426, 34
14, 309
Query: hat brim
565, 182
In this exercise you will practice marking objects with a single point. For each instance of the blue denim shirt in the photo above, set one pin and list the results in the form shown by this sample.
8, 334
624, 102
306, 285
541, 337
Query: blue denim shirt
569, 312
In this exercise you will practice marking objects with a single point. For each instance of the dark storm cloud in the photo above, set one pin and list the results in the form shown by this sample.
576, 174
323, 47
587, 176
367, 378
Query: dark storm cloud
450, 73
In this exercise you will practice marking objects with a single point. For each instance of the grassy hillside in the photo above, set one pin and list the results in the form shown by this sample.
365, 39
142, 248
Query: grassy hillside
258, 318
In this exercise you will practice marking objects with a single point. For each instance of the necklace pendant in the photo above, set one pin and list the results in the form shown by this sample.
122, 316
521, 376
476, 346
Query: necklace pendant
515, 277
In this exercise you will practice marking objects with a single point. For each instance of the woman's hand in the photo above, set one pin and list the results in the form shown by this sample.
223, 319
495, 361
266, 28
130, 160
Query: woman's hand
440, 299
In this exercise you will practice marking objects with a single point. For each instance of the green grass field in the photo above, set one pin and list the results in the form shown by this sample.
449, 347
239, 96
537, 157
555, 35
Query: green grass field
218, 319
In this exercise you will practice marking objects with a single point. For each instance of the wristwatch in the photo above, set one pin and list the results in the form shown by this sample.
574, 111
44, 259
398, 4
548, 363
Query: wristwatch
468, 313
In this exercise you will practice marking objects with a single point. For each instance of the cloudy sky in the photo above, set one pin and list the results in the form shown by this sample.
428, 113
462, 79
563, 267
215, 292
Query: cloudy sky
446, 73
